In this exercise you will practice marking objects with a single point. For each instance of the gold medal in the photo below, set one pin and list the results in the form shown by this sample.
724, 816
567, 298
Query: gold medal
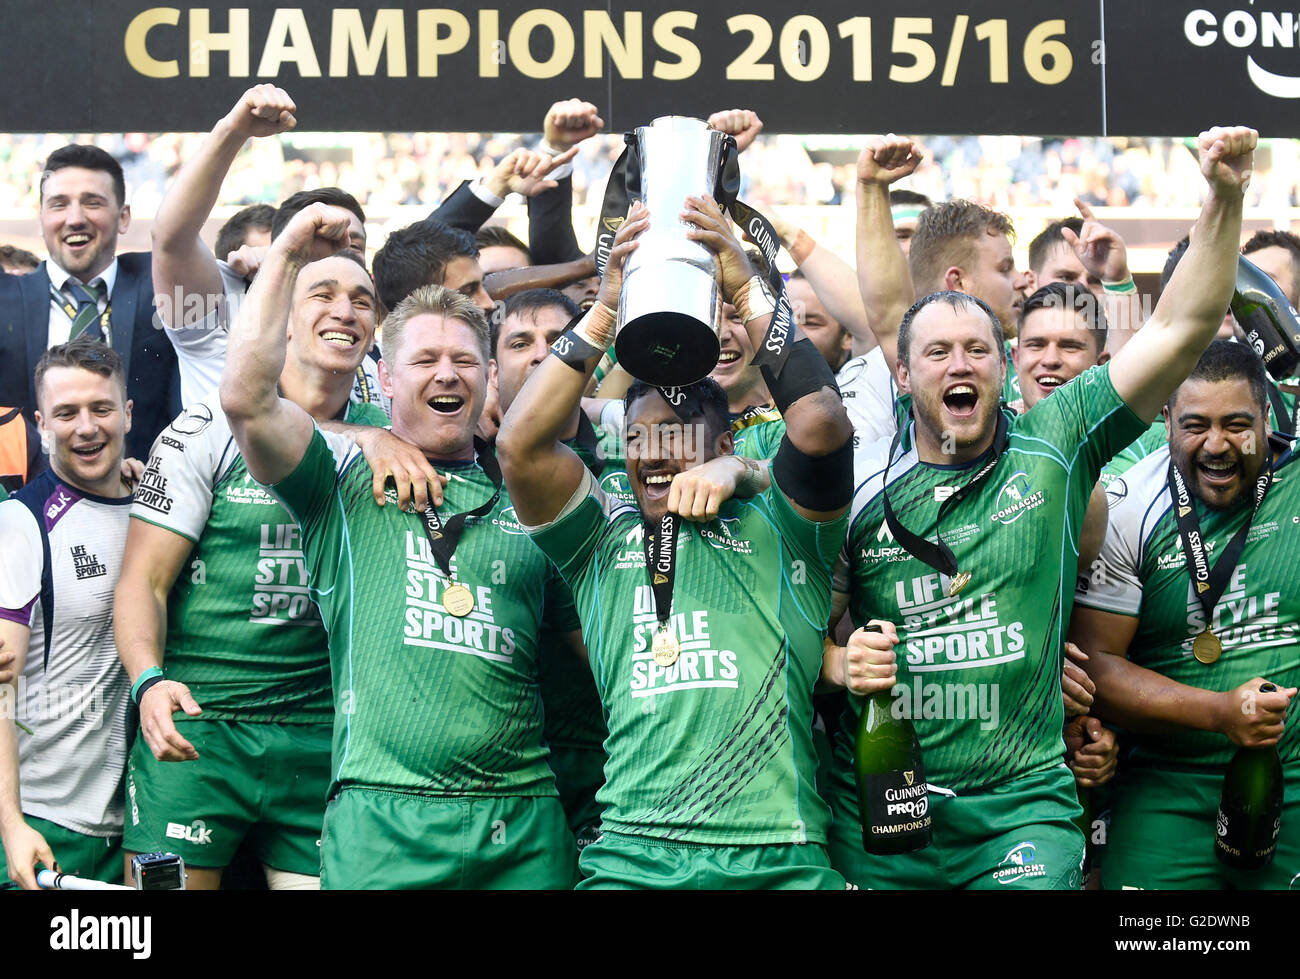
457, 600
1207, 648
957, 582
665, 648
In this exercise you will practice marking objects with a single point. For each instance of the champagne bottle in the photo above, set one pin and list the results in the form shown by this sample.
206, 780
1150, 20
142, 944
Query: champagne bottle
891, 779
1250, 808
1271, 323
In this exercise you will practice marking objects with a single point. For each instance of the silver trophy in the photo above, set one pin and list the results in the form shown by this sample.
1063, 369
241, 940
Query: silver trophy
671, 308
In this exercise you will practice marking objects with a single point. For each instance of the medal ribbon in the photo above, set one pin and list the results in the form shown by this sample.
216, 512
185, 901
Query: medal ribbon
939, 555
661, 563
1210, 583
445, 535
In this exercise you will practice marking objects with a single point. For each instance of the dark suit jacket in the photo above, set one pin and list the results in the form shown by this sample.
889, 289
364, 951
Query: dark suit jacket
550, 220
152, 380
462, 209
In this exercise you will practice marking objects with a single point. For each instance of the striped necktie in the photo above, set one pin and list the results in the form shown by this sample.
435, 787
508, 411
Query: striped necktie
87, 319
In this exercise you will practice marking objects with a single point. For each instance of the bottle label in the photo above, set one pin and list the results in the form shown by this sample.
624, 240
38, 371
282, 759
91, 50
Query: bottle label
1245, 839
897, 806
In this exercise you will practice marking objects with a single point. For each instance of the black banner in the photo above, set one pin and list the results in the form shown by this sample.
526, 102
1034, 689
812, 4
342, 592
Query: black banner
1049, 67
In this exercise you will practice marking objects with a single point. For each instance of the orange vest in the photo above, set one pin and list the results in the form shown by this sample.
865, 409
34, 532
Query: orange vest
14, 448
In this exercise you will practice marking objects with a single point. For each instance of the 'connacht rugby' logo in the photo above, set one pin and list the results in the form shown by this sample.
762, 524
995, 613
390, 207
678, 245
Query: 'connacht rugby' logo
1015, 499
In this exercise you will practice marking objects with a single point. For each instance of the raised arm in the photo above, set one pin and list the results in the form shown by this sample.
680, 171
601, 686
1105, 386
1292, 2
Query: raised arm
1164, 351
551, 239
883, 275
833, 280
541, 472
1137, 699
813, 467
272, 432
1104, 254
181, 261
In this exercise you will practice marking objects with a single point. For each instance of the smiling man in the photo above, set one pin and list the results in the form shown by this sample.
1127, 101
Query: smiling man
965, 536
703, 634
439, 774
1179, 655
213, 591
63, 724
86, 288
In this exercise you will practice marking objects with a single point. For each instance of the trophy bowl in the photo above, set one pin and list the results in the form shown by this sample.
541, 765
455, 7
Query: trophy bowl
671, 308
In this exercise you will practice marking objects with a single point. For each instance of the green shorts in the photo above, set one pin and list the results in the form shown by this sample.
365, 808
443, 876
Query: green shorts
1162, 835
1019, 835
91, 857
388, 840
579, 774
619, 861
264, 781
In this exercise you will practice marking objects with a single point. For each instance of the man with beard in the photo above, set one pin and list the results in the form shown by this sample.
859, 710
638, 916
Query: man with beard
965, 538
1179, 666
958, 245
439, 769
704, 637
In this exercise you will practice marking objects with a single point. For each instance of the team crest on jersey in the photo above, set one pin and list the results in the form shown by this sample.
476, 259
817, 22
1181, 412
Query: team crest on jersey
508, 522
1020, 863
615, 485
1016, 498
194, 420
724, 538
1116, 491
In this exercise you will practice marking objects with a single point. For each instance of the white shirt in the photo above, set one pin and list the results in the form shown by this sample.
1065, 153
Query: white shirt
201, 346
60, 330
71, 765
867, 387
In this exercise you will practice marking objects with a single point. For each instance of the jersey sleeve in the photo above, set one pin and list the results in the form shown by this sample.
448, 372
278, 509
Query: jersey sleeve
1114, 583
811, 540
560, 613
175, 492
571, 540
307, 491
1086, 420
21, 562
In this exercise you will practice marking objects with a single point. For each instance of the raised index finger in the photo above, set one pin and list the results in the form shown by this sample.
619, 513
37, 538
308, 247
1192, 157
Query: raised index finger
1085, 210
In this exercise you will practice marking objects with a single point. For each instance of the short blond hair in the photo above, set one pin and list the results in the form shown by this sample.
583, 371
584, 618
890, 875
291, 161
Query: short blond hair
945, 237
434, 301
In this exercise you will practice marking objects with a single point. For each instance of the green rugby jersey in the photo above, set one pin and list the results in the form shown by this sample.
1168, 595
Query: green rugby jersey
979, 674
242, 632
572, 703
1142, 572
757, 432
717, 748
1155, 438
425, 701
1011, 383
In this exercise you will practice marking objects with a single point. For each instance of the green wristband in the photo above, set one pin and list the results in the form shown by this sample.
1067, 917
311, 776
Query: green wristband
153, 673
1125, 288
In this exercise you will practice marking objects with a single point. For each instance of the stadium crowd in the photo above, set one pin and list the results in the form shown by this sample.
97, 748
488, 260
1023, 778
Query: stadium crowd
381, 571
